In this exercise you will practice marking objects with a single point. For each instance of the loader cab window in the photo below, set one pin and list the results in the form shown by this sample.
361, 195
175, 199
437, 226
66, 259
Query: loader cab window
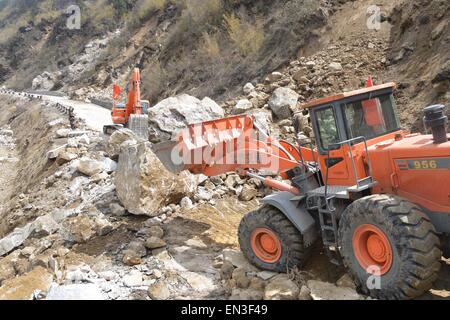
370, 118
327, 126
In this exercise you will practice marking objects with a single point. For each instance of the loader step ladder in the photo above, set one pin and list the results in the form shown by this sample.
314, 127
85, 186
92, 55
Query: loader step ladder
329, 229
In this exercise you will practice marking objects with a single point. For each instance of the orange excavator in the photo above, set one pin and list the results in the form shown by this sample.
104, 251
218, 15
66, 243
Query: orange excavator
132, 114
376, 196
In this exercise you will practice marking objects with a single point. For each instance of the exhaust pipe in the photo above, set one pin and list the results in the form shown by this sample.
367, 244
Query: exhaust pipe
437, 121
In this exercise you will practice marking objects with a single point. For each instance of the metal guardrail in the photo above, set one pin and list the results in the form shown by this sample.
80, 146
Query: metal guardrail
102, 103
68, 110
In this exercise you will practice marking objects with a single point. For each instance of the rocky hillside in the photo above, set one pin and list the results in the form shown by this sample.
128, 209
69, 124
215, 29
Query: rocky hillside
179, 44
419, 55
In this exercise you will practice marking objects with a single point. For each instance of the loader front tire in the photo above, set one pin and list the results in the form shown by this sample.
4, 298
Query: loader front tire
270, 241
390, 247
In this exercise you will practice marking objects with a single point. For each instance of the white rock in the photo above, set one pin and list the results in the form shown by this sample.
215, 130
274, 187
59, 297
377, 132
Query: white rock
242, 106
84, 139
75, 292
335, 66
237, 259
133, 279
281, 102
266, 275
186, 203
90, 167
281, 288
44, 226
203, 194
109, 165
62, 133
248, 88
143, 184
327, 291
174, 113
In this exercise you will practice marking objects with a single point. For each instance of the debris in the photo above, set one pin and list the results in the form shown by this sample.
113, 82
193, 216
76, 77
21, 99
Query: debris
23, 287
328, 291
90, 167
248, 193
242, 106
159, 291
86, 291
156, 231
283, 99
133, 279
154, 243
281, 288
305, 293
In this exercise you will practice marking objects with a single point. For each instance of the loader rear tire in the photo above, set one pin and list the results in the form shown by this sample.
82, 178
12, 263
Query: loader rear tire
270, 241
397, 238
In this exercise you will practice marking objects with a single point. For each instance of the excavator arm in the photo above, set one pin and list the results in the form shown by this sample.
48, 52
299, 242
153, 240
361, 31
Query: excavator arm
132, 115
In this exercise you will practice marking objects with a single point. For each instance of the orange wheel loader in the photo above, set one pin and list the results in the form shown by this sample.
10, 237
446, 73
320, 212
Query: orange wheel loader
376, 196
133, 114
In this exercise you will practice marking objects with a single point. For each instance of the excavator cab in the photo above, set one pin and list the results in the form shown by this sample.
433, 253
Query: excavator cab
345, 125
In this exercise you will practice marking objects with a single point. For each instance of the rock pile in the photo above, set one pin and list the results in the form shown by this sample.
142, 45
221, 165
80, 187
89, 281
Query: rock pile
245, 282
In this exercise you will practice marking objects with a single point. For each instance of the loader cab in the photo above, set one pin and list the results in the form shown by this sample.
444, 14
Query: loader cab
346, 124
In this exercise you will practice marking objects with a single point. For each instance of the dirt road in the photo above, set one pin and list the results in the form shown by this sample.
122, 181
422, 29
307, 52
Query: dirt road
94, 116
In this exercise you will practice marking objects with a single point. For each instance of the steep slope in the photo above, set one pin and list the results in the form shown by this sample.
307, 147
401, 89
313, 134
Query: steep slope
203, 47
419, 56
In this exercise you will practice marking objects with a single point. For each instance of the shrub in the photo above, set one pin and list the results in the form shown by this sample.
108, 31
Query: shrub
203, 11
247, 37
210, 45
145, 7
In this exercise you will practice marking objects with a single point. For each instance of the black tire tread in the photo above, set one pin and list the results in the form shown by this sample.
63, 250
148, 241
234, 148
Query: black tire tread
418, 242
291, 238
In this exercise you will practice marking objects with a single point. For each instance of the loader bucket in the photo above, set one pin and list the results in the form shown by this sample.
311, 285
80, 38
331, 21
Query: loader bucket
164, 151
200, 145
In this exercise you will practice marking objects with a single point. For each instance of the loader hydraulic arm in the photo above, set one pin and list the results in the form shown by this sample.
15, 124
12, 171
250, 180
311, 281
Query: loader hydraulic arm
231, 144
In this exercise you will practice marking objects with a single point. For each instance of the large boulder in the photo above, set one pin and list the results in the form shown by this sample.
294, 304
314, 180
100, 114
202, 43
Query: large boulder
45, 81
117, 139
283, 99
144, 186
175, 113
